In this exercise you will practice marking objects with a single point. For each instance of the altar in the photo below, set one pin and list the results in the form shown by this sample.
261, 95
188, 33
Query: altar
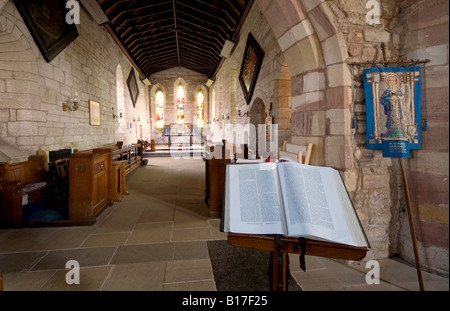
180, 134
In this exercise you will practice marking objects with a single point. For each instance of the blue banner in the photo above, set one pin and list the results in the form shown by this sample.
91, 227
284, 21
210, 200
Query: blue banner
393, 110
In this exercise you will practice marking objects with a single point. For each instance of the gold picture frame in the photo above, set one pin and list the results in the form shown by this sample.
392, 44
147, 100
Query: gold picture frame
251, 65
95, 117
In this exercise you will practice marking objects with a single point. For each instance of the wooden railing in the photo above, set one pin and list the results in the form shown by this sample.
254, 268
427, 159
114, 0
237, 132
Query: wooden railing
132, 156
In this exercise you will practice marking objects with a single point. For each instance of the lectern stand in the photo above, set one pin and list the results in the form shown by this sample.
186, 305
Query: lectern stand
280, 250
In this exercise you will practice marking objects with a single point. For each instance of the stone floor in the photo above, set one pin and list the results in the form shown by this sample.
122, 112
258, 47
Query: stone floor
155, 240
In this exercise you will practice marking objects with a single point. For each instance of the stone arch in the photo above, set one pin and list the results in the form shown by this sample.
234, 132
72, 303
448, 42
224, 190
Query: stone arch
257, 117
316, 54
120, 90
212, 112
119, 110
281, 105
153, 90
204, 90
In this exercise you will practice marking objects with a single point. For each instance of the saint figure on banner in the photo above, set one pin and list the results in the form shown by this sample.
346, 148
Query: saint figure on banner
391, 100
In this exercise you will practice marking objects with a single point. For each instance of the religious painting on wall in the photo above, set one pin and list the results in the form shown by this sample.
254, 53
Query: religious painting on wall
133, 87
251, 65
393, 110
46, 21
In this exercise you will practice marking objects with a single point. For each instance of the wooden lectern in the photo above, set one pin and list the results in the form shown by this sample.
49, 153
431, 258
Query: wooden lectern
279, 253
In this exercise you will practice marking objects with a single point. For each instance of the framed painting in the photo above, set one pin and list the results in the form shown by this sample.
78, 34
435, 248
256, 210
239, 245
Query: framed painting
46, 21
133, 87
251, 64
95, 117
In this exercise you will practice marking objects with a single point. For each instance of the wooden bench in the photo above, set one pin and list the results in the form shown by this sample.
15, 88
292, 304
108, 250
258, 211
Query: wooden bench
217, 155
59, 170
131, 155
19, 180
298, 153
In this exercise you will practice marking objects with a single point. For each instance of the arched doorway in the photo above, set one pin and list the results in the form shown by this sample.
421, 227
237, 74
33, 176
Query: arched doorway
257, 117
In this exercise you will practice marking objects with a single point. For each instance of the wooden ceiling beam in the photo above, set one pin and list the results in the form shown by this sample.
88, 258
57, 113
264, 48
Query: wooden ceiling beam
203, 14
176, 30
217, 6
167, 33
149, 35
158, 56
193, 25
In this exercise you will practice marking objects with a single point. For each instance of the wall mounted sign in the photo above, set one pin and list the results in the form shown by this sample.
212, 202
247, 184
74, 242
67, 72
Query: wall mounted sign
393, 110
95, 117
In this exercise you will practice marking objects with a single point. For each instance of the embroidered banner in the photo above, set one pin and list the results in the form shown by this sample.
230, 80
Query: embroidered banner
393, 112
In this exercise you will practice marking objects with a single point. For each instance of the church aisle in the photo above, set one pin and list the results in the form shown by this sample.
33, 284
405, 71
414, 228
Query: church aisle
156, 240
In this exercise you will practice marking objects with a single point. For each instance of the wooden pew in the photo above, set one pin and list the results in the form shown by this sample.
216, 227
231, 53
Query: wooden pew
90, 187
59, 170
17, 180
132, 156
217, 155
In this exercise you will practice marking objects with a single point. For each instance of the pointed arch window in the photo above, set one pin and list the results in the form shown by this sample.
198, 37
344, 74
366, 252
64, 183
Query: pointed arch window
180, 104
159, 109
200, 110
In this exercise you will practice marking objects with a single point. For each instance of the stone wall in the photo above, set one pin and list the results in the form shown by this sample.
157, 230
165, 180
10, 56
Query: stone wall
32, 91
422, 30
319, 39
410, 30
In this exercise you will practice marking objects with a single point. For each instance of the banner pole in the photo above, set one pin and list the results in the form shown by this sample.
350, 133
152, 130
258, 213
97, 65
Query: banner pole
411, 223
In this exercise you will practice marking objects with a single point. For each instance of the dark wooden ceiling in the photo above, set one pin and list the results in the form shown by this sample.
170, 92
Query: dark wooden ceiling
162, 34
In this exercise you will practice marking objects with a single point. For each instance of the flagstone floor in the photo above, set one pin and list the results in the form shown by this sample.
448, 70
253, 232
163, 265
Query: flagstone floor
155, 240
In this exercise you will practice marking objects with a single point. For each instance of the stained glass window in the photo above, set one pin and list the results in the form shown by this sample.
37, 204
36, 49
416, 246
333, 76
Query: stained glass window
200, 110
159, 109
180, 104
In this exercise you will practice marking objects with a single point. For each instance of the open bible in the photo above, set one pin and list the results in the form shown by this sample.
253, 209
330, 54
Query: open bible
290, 199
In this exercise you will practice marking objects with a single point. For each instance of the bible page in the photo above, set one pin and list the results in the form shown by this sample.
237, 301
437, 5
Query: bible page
253, 199
317, 205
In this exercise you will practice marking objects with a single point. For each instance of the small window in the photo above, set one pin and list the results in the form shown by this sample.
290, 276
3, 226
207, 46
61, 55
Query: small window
159, 109
180, 104
200, 110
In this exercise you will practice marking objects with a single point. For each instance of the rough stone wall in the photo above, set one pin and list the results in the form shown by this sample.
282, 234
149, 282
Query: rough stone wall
167, 81
319, 38
32, 91
422, 30
372, 180
411, 30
